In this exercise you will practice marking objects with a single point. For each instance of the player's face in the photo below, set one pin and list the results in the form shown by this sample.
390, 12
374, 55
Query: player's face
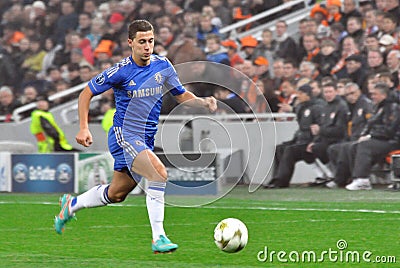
142, 47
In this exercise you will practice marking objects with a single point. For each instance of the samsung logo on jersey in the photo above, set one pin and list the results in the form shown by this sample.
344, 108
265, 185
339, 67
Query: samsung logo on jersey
145, 92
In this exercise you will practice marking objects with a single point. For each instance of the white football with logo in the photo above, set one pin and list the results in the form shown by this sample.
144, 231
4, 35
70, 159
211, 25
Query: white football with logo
231, 235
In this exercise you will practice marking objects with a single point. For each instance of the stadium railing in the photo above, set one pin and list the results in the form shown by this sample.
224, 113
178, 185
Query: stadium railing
291, 19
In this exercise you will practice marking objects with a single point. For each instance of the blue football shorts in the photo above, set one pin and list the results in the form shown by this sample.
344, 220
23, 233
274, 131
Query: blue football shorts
124, 147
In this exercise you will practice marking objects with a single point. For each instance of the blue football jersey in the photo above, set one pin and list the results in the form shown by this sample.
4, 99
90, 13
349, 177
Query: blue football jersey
138, 91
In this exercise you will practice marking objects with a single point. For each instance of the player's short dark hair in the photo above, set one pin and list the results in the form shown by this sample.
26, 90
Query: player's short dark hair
139, 26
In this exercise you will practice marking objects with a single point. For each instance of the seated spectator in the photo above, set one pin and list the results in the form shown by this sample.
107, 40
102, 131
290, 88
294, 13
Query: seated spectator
334, 13
231, 47
185, 50
261, 65
380, 136
375, 62
204, 29
289, 153
34, 60
393, 63
360, 111
215, 52
327, 57
8, 103
229, 102
288, 96
349, 48
267, 48
287, 47
165, 36
356, 71
248, 46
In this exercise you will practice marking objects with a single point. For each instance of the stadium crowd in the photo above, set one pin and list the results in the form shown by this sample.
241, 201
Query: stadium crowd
343, 46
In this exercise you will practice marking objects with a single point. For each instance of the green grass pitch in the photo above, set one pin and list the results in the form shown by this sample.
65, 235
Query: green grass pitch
288, 220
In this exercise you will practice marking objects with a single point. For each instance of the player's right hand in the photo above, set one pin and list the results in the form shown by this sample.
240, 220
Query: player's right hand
84, 137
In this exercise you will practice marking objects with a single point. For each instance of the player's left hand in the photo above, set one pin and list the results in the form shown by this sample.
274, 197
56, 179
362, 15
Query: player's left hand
211, 103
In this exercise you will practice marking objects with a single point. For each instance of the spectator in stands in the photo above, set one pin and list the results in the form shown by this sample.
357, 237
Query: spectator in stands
334, 13
360, 111
261, 65
365, 6
380, 136
186, 49
371, 42
215, 20
85, 73
370, 22
8, 71
73, 74
215, 52
288, 96
332, 129
204, 29
274, 81
8, 103
48, 59
327, 57
49, 136
389, 24
393, 63
311, 46
118, 28
84, 24
267, 48
308, 70
349, 10
287, 48
66, 22
289, 153
392, 7
317, 92
221, 11
290, 70
231, 47
165, 36
248, 46
96, 32
229, 102
34, 60
354, 29
386, 43
356, 71
104, 51
81, 46
349, 48
340, 86
375, 62
30, 94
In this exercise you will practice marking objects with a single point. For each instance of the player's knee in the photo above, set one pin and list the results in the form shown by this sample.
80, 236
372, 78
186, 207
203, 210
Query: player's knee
117, 197
160, 174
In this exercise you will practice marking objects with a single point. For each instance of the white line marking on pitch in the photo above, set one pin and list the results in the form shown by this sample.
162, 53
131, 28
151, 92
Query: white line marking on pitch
235, 208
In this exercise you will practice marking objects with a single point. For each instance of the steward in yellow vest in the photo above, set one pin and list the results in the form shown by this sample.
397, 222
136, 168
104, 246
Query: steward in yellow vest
49, 136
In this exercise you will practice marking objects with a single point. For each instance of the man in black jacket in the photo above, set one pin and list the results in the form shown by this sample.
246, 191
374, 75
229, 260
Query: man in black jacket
360, 111
380, 136
287, 154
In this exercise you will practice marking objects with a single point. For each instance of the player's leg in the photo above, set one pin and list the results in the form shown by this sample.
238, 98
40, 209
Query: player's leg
121, 185
148, 165
101, 195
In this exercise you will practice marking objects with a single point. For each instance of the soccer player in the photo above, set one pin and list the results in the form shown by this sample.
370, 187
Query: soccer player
137, 82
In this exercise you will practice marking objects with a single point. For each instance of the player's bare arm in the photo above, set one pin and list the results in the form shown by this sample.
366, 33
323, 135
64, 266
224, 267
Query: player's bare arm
84, 137
188, 98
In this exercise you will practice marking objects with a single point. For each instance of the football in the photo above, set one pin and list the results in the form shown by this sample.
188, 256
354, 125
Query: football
230, 235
